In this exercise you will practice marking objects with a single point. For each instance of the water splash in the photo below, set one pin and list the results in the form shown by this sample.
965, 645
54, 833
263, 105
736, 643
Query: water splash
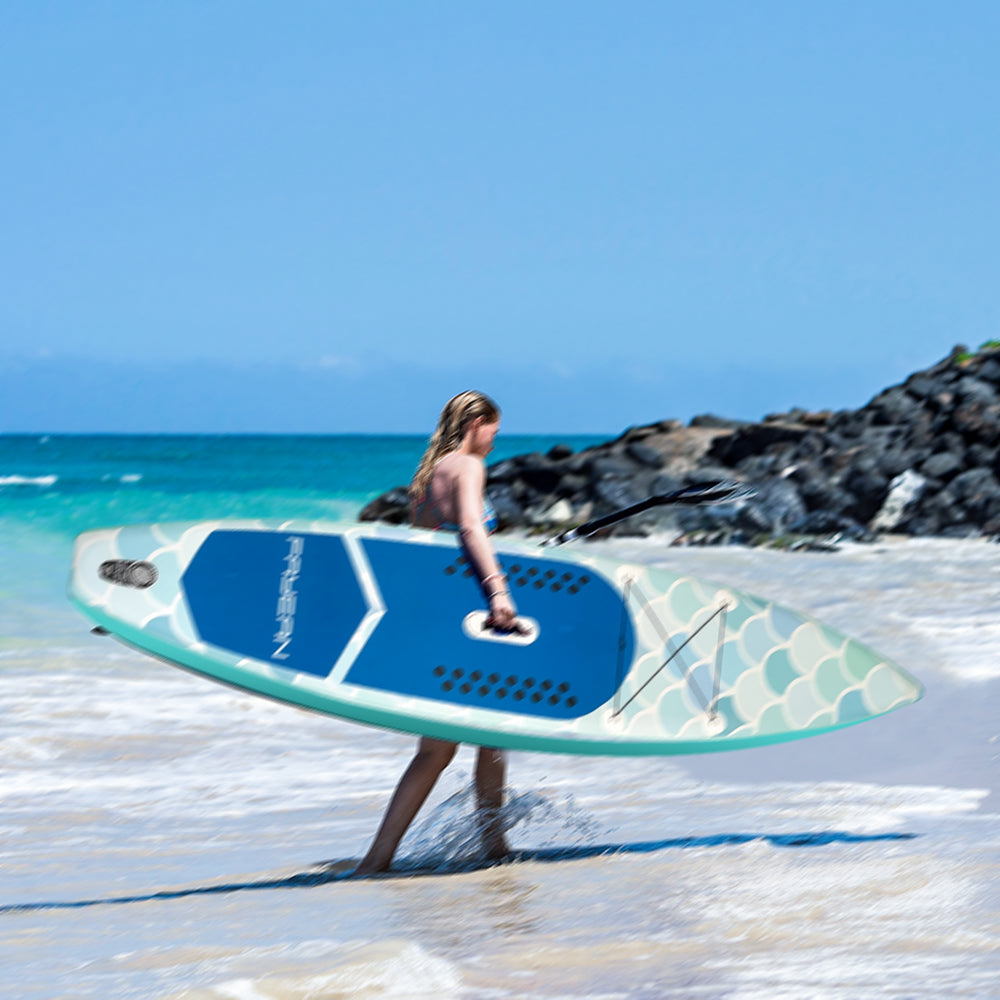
449, 838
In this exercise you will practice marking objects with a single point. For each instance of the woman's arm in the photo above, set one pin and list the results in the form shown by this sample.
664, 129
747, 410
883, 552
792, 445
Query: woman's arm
469, 486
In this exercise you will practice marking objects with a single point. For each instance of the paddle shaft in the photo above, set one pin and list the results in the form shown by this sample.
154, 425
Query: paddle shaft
699, 493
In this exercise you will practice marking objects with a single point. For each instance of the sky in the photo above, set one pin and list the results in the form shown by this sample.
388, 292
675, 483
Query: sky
328, 217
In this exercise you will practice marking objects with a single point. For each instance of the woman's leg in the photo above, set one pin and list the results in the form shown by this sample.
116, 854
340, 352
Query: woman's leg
491, 769
431, 758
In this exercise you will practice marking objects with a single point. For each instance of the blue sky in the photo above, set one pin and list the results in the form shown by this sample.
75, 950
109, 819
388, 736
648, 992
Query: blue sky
327, 216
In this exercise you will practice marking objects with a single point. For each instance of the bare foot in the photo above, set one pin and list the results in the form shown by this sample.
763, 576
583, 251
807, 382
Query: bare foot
368, 867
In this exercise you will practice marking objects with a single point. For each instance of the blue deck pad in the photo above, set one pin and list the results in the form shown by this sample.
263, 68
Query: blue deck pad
290, 599
584, 647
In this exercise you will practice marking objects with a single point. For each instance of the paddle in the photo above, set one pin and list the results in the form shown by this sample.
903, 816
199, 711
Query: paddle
715, 491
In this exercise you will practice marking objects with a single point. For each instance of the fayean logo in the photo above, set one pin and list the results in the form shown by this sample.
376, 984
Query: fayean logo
288, 597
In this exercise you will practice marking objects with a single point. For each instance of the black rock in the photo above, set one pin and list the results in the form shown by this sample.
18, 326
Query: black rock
706, 519
921, 386
713, 422
644, 454
943, 465
894, 406
571, 485
896, 460
826, 522
754, 439
949, 441
811, 446
977, 493
974, 390
989, 371
580, 463
980, 455
868, 485
707, 473
776, 506
613, 494
611, 465
663, 484
510, 513
920, 525
812, 483
540, 474
759, 466
503, 472
978, 421
849, 425
943, 507
392, 507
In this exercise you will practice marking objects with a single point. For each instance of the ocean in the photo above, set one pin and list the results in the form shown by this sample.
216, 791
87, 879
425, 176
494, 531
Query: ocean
158, 832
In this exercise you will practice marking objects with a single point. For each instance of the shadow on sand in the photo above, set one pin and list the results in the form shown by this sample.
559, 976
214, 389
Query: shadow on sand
340, 871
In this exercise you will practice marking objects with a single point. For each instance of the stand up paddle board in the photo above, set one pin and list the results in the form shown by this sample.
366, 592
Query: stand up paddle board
387, 626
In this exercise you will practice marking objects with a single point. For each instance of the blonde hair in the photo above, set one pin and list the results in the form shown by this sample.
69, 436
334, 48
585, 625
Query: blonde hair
457, 415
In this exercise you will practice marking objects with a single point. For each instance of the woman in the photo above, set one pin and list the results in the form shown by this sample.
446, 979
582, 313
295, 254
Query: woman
448, 492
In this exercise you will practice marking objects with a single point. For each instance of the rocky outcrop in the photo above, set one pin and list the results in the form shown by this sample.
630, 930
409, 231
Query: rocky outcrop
921, 458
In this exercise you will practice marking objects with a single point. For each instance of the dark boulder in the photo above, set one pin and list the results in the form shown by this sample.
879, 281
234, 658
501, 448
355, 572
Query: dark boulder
943, 465
753, 439
826, 522
611, 466
644, 454
510, 512
974, 390
540, 474
713, 422
977, 493
893, 407
978, 421
572, 484
989, 371
868, 485
392, 507
773, 510
663, 484
503, 472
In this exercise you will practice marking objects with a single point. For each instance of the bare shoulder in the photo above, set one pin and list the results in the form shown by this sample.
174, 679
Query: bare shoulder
468, 467
459, 466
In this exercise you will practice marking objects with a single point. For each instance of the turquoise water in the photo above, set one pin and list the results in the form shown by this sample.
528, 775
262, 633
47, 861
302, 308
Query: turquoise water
68, 483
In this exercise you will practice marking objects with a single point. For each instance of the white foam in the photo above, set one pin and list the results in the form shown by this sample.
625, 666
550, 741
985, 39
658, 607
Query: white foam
28, 480
129, 477
968, 649
392, 968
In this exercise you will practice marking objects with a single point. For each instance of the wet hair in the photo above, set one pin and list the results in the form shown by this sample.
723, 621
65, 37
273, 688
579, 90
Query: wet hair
457, 415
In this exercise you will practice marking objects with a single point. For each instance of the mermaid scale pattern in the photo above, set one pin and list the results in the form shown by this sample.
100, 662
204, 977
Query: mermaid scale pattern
778, 671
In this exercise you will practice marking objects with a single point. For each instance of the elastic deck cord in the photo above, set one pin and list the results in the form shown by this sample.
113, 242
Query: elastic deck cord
674, 654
